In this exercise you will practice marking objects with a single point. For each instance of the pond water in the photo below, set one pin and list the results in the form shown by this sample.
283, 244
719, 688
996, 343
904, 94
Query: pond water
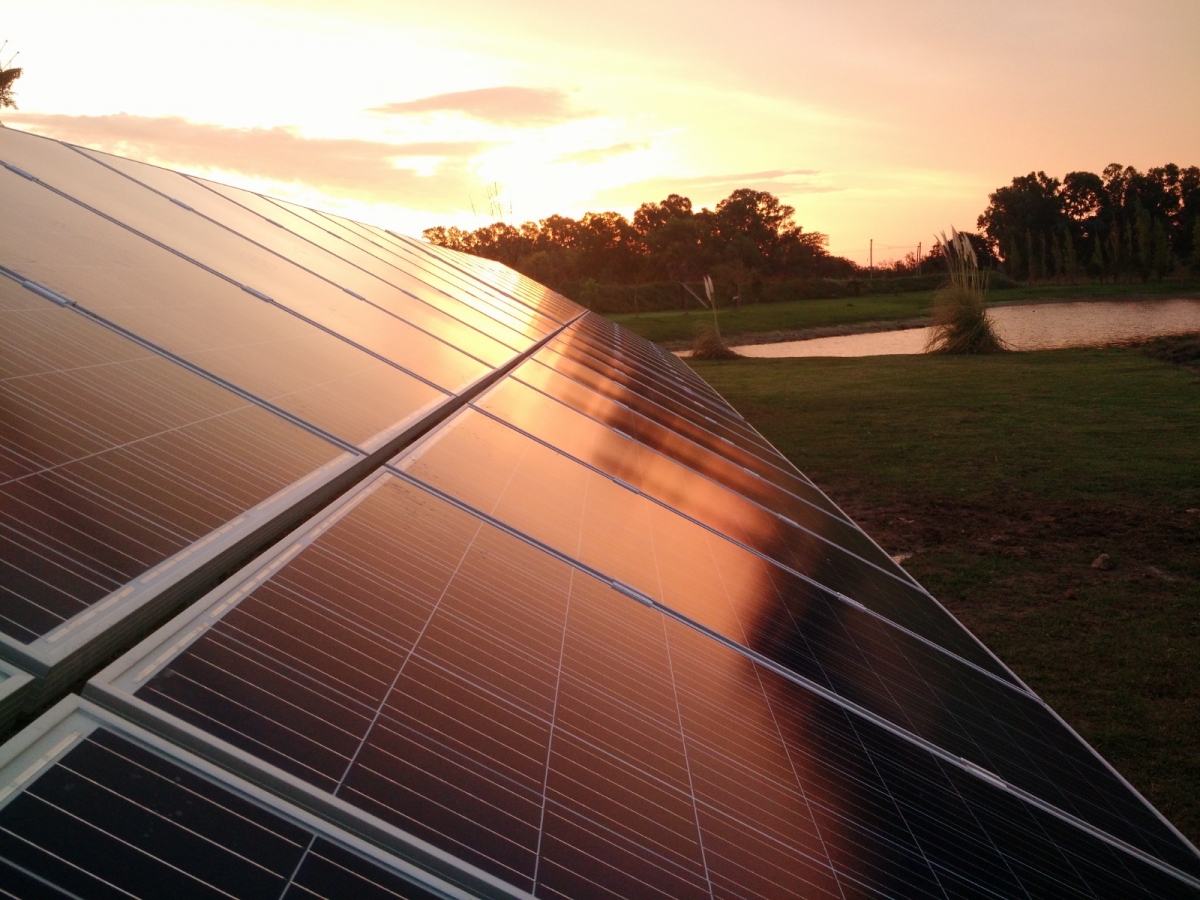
1044, 326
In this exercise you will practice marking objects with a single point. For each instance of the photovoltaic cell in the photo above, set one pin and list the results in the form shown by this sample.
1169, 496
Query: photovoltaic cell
672, 396
452, 680
292, 237
113, 819
636, 361
241, 261
503, 278
615, 532
449, 268
162, 298
491, 312
409, 253
114, 459
660, 476
672, 416
589, 517
682, 443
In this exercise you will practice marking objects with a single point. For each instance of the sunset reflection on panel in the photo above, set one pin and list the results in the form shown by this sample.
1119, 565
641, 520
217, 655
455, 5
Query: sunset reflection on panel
797, 596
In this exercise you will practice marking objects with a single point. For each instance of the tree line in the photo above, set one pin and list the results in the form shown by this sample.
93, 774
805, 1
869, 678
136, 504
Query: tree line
750, 236
1121, 224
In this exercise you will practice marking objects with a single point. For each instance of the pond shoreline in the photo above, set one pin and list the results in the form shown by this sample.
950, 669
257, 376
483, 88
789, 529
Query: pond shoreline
746, 339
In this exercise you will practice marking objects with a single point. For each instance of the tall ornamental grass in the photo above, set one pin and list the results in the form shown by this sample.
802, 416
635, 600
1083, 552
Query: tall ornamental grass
708, 343
960, 319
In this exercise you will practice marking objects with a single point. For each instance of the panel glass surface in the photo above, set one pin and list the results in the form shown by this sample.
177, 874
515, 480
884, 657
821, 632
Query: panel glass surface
241, 261
450, 679
508, 280
409, 255
537, 296
642, 361
666, 388
485, 308
306, 249
674, 444
674, 484
204, 319
678, 417
671, 392
606, 333
632, 368
112, 819
588, 516
113, 458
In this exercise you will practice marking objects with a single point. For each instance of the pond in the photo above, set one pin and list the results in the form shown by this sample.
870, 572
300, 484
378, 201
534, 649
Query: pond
1044, 326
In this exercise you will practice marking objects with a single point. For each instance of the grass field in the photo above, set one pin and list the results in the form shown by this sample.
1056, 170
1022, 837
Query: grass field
675, 328
1005, 477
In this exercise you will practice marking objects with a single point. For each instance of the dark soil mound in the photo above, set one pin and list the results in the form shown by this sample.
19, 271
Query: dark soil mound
1180, 349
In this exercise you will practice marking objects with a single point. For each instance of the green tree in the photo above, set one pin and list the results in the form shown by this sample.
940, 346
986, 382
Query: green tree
1160, 256
1071, 260
1033, 206
751, 234
1096, 267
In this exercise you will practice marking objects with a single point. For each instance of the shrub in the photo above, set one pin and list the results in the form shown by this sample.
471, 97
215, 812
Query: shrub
960, 319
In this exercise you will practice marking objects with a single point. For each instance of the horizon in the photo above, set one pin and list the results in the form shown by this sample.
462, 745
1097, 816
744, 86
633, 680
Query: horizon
872, 127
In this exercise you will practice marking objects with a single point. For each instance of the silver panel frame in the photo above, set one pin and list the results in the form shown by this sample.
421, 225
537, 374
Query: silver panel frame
36, 748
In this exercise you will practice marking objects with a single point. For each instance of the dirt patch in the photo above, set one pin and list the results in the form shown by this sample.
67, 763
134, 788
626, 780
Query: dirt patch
1180, 349
990, 561
1025, 526
1095, 606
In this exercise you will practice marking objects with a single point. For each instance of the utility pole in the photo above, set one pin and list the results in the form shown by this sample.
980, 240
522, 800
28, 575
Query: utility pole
918, 257
871, 264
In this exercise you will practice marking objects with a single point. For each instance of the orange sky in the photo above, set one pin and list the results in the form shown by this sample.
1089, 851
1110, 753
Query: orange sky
874, 119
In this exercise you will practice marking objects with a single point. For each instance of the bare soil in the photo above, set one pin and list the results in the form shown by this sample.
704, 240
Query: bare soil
1055, 587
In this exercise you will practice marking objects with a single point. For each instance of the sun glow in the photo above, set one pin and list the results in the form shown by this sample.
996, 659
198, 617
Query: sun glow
415, 115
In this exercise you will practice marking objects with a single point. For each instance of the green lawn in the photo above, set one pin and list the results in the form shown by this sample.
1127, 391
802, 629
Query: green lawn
800, 315
1005, 477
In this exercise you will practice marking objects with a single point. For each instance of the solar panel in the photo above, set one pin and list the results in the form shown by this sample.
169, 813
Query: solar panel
662, 410
501, 277
295, 238
123, 469
434, 269
423, 347
148, 291
203, 413
446, 678
659, 475
601, 522
474, 594
648, 428
431, 280
92, 807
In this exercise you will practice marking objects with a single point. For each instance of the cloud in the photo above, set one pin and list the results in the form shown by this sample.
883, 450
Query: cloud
342, 166
499, 106
707, 189
742, 179
599, 154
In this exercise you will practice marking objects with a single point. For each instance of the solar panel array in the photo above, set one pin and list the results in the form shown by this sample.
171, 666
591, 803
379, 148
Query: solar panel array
422, 581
